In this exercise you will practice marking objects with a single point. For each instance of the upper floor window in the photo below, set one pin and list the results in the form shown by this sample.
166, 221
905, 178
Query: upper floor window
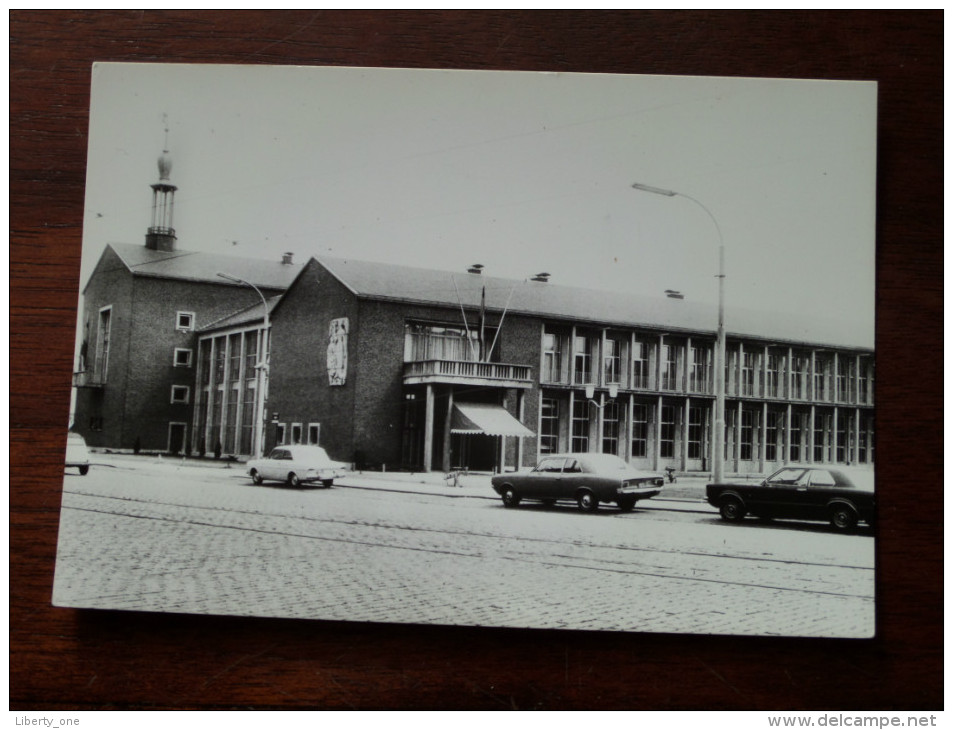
182, 357
820, 378
185, 321
699, 374
612, 359
772, 375
747, 373
180, 394
843, 368
583, 359
444, 342
552, 358
640, 364
669, 367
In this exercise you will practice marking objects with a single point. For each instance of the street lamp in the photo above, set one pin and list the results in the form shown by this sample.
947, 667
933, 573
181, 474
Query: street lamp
718, 448
261, 366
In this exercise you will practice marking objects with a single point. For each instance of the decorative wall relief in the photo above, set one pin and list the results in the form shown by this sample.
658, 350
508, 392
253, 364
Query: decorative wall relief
337, 351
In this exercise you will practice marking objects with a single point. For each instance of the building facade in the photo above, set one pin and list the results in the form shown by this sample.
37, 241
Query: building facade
412, 368
135, 374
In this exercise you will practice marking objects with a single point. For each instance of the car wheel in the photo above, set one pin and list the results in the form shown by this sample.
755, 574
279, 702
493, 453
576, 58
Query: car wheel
256, 477
627, 504
843, 517
326, 483
293, 480
84, 470
732, 509
510, 497
587, 501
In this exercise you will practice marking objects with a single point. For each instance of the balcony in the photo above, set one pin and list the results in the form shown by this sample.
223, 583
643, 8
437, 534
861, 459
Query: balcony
463, 372
88, 379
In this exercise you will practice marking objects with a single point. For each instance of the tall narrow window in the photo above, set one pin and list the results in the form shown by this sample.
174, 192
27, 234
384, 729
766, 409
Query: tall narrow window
314, 434
667, 433
820, 378
640, 430
610, 428
700, 370
583, 360
863, 384
843, 366
771, 436
296, 433
796, 436
696, 431
821, 422
552, 360
747, 431
772, 375
580, 425
613, 361
841, 442
640, 364
798, 364
102, 347
669, 367
549, 427
747, 373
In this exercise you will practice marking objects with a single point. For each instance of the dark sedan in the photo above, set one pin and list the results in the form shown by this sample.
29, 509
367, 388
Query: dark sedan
587, 479
840, 495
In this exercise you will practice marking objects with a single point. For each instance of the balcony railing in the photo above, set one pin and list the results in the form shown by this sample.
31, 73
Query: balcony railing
87, 379
464, 371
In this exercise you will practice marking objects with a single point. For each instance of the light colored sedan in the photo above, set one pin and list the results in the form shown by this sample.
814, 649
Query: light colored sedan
76, 453
296, 465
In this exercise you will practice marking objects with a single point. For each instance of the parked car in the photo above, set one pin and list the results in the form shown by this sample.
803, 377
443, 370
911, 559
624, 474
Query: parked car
588, 479
296, 465
76, 453
841, 495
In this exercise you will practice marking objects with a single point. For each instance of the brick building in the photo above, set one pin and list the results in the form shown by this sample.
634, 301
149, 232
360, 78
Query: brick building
425, 369
142, 308
421, 369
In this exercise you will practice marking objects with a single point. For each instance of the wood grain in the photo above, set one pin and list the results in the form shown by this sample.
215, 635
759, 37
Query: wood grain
65, 659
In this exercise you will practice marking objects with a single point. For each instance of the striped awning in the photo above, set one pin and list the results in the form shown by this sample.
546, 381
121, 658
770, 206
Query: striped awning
485, 418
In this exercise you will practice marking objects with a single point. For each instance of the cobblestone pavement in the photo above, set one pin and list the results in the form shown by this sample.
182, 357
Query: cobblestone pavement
168, 537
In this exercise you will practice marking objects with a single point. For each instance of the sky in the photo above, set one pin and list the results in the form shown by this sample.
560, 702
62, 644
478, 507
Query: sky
522, 172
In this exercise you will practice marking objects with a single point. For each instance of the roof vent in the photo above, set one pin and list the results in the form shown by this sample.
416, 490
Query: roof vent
543, 277
287, 257
475, 269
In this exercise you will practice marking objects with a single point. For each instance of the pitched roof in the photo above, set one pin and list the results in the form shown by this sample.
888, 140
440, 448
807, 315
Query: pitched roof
428, 286
204, 267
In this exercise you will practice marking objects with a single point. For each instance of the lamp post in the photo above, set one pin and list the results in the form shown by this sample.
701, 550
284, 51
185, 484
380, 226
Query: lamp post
261, 366
718, 448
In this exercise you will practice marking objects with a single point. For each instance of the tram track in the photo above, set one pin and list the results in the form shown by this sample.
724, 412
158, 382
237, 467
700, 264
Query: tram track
637, 560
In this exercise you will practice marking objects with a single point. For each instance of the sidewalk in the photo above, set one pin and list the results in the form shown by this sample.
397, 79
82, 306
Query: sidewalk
688, 492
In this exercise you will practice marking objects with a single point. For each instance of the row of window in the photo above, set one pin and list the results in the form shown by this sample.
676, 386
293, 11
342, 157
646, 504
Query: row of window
755, 372
296, 434
833, 439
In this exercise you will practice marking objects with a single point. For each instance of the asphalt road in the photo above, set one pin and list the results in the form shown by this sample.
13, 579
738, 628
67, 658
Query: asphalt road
159, 536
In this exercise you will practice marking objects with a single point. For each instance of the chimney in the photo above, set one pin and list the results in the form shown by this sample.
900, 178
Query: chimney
543, 277
475, 269
287, 257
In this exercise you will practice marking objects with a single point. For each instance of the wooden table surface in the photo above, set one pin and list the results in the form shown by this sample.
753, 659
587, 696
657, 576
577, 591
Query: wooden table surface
68, 660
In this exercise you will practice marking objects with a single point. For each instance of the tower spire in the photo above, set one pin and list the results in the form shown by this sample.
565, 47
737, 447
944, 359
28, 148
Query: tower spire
161, 234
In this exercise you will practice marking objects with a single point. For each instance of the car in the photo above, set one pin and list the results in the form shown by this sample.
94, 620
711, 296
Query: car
588, 479
76, 453
840, 495
296, 465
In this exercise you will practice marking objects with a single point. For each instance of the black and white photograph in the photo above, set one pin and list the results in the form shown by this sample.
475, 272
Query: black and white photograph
476, 348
